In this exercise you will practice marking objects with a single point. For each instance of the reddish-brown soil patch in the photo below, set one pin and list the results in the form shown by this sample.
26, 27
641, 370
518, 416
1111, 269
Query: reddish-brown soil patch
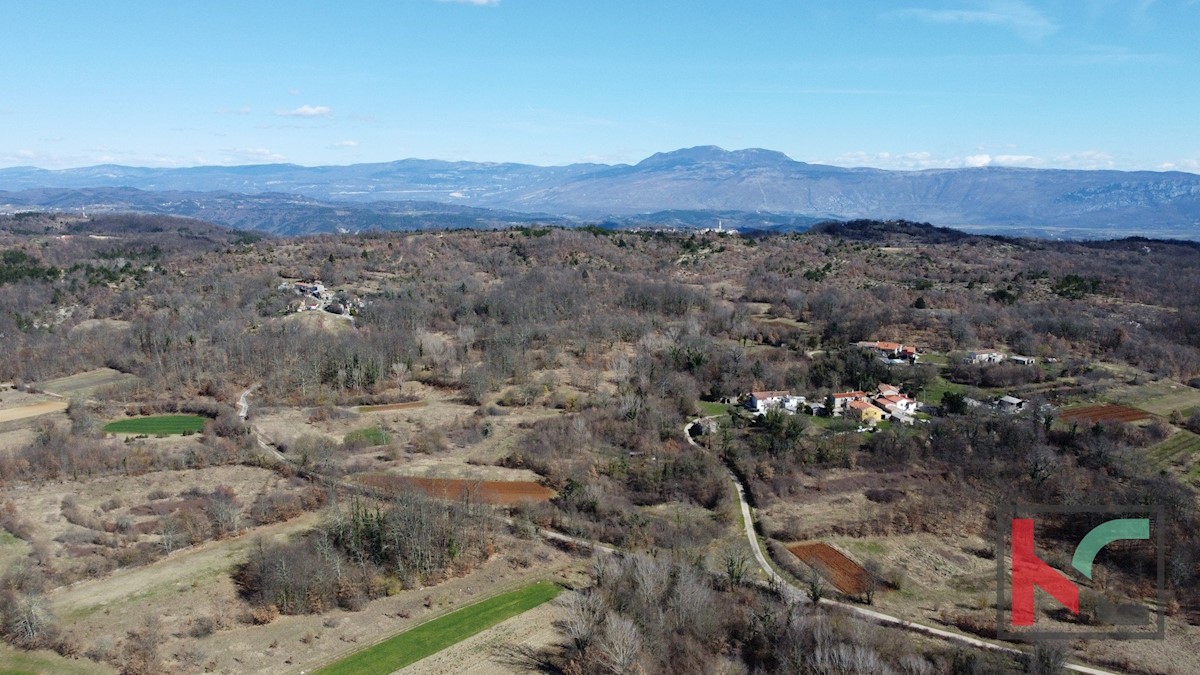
386, 407
848, 576
1104, 413
504, 493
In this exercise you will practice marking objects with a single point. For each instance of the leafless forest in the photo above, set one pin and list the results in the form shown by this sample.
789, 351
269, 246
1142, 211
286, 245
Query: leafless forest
611, 341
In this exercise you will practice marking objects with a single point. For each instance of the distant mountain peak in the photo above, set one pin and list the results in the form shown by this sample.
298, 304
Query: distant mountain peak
706, 154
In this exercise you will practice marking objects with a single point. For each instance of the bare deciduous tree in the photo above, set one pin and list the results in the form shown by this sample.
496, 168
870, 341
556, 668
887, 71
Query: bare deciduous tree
620, 645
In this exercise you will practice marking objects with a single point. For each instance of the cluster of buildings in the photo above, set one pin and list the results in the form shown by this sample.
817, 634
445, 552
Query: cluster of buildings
984, 358
315, 296
886, 402
892, 352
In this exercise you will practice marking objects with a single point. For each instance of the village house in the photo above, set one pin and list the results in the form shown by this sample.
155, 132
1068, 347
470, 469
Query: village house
1023, 360
891, 352
762, 401
865, 412
842, 400
979, 358
899, 401
885, 389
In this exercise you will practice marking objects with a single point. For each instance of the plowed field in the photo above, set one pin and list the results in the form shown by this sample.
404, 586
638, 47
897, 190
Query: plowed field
1104, 413
842, 572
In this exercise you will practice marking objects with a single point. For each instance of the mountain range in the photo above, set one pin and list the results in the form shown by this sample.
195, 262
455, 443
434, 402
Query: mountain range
695, 187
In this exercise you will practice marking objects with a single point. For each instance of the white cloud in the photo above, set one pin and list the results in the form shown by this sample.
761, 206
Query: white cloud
307, 111
251, 155
978, 160
1015, 15
346, 144
1189, 165
1017, 160
477, 3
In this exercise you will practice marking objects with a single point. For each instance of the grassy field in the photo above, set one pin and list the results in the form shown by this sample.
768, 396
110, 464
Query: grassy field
710, 408
13, 661
157, 424
1161, 398
936, 389
369, 436
429, 638
1179, 450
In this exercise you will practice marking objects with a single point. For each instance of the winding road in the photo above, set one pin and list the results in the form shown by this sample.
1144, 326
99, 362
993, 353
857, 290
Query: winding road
791, 592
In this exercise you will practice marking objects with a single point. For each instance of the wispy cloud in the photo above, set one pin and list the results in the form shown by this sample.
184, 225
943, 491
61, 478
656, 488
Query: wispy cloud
307, 111
1028, 22
1088, 159
243, 110
477, 3
342, 145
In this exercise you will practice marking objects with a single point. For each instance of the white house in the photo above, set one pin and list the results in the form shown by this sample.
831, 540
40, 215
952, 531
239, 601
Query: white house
1023, 360
762, 401
985, 357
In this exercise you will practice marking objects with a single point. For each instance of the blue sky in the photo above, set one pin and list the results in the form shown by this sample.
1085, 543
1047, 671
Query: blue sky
902, 84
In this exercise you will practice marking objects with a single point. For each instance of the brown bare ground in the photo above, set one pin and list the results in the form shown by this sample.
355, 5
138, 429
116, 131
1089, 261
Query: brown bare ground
86, 383
31, 410
848, 576
1104, 413
504, 493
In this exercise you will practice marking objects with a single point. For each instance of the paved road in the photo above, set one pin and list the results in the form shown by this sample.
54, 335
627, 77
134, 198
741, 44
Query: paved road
791, 592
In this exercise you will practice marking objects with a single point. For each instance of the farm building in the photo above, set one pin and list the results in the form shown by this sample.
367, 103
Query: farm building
1010, 404
1023, 360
